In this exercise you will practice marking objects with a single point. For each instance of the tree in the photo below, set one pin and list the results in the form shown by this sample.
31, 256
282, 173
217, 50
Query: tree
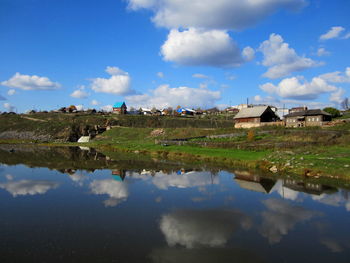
345, 104
333, 111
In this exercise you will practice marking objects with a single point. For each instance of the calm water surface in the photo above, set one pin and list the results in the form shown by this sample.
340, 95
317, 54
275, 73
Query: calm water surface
175, 214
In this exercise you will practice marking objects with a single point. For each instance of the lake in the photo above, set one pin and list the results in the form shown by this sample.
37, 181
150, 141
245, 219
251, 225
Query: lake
79, 205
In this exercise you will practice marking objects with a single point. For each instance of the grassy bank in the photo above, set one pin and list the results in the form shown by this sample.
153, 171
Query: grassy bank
311, 152
308, 152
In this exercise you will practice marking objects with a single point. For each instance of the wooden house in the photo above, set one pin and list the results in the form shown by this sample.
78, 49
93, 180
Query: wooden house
119, 108
306, 118
255, 117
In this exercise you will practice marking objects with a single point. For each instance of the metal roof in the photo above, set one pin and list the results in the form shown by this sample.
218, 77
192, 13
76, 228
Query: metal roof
307, 113
118, 104
251, 112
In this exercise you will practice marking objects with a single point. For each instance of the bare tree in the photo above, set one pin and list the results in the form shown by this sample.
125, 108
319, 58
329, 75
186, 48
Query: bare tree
345, 104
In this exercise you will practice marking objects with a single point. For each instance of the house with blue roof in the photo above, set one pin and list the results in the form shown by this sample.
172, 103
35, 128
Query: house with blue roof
119, 108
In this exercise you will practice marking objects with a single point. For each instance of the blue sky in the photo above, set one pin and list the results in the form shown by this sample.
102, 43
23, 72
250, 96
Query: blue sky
162, 53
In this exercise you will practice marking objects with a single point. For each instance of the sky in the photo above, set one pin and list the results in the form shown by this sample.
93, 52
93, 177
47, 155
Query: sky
165, 53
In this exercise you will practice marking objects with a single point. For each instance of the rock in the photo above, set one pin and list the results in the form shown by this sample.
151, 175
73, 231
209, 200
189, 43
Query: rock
273, 169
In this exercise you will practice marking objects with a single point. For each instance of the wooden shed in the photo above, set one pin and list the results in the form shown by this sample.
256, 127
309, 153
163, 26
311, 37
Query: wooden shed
255, 117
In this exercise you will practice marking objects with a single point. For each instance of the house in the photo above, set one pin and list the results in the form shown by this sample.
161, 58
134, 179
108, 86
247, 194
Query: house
306, 118
119, 108
255, 117
186, 112
144, 111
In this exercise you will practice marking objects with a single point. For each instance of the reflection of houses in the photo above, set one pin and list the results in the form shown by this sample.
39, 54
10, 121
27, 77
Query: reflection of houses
308, 187
119, 108
255, 117
302, 118
253, 182
119, 174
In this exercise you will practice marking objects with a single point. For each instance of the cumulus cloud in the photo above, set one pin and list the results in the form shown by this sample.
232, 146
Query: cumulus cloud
107, 108
160, 75
337, 76
26, 82
164, 96
299, 88
117, 191
322, 52
80, 93
282, 60
11, 92
199, 47
9, 107
200, 76
187, 180
28, 187
198, 228
94, 102
118, 84
334, 32
281, 217
209, 14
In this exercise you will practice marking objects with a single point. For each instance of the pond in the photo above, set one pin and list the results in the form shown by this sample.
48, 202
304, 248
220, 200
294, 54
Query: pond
78, 205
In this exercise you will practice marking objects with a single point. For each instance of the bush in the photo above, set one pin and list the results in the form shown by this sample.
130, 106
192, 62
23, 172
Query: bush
333, 111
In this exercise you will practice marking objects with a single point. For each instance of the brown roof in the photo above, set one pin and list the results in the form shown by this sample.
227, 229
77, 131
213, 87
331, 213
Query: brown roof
307, 113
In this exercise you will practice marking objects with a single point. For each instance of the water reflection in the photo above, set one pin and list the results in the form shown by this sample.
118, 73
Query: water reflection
116, 190
156, 211
196, 228
281, 217
27, 187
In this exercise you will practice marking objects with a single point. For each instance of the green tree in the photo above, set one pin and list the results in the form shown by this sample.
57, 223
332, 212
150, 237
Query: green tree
333, 111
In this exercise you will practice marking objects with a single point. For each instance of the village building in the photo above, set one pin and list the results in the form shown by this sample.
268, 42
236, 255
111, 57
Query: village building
255, 117
119, 108
145, 111
186, 112
307, 118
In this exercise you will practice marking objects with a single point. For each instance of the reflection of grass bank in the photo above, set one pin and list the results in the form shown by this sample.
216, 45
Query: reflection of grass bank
311, 152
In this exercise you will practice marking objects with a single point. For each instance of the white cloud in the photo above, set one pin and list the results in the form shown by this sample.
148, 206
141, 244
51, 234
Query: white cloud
248, 53
164, 96
322, 52
198, 47
80, 93
337, 76
9, 107
298, 88
197, 228
11, 92
117, 191
26, 82
282, 60
107, 108
200, 76
94, 102
281, 217
347, 36
338, 96
160, 75
119, 83
187, 180
79, 107
28, 187
209, 14
334, 32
